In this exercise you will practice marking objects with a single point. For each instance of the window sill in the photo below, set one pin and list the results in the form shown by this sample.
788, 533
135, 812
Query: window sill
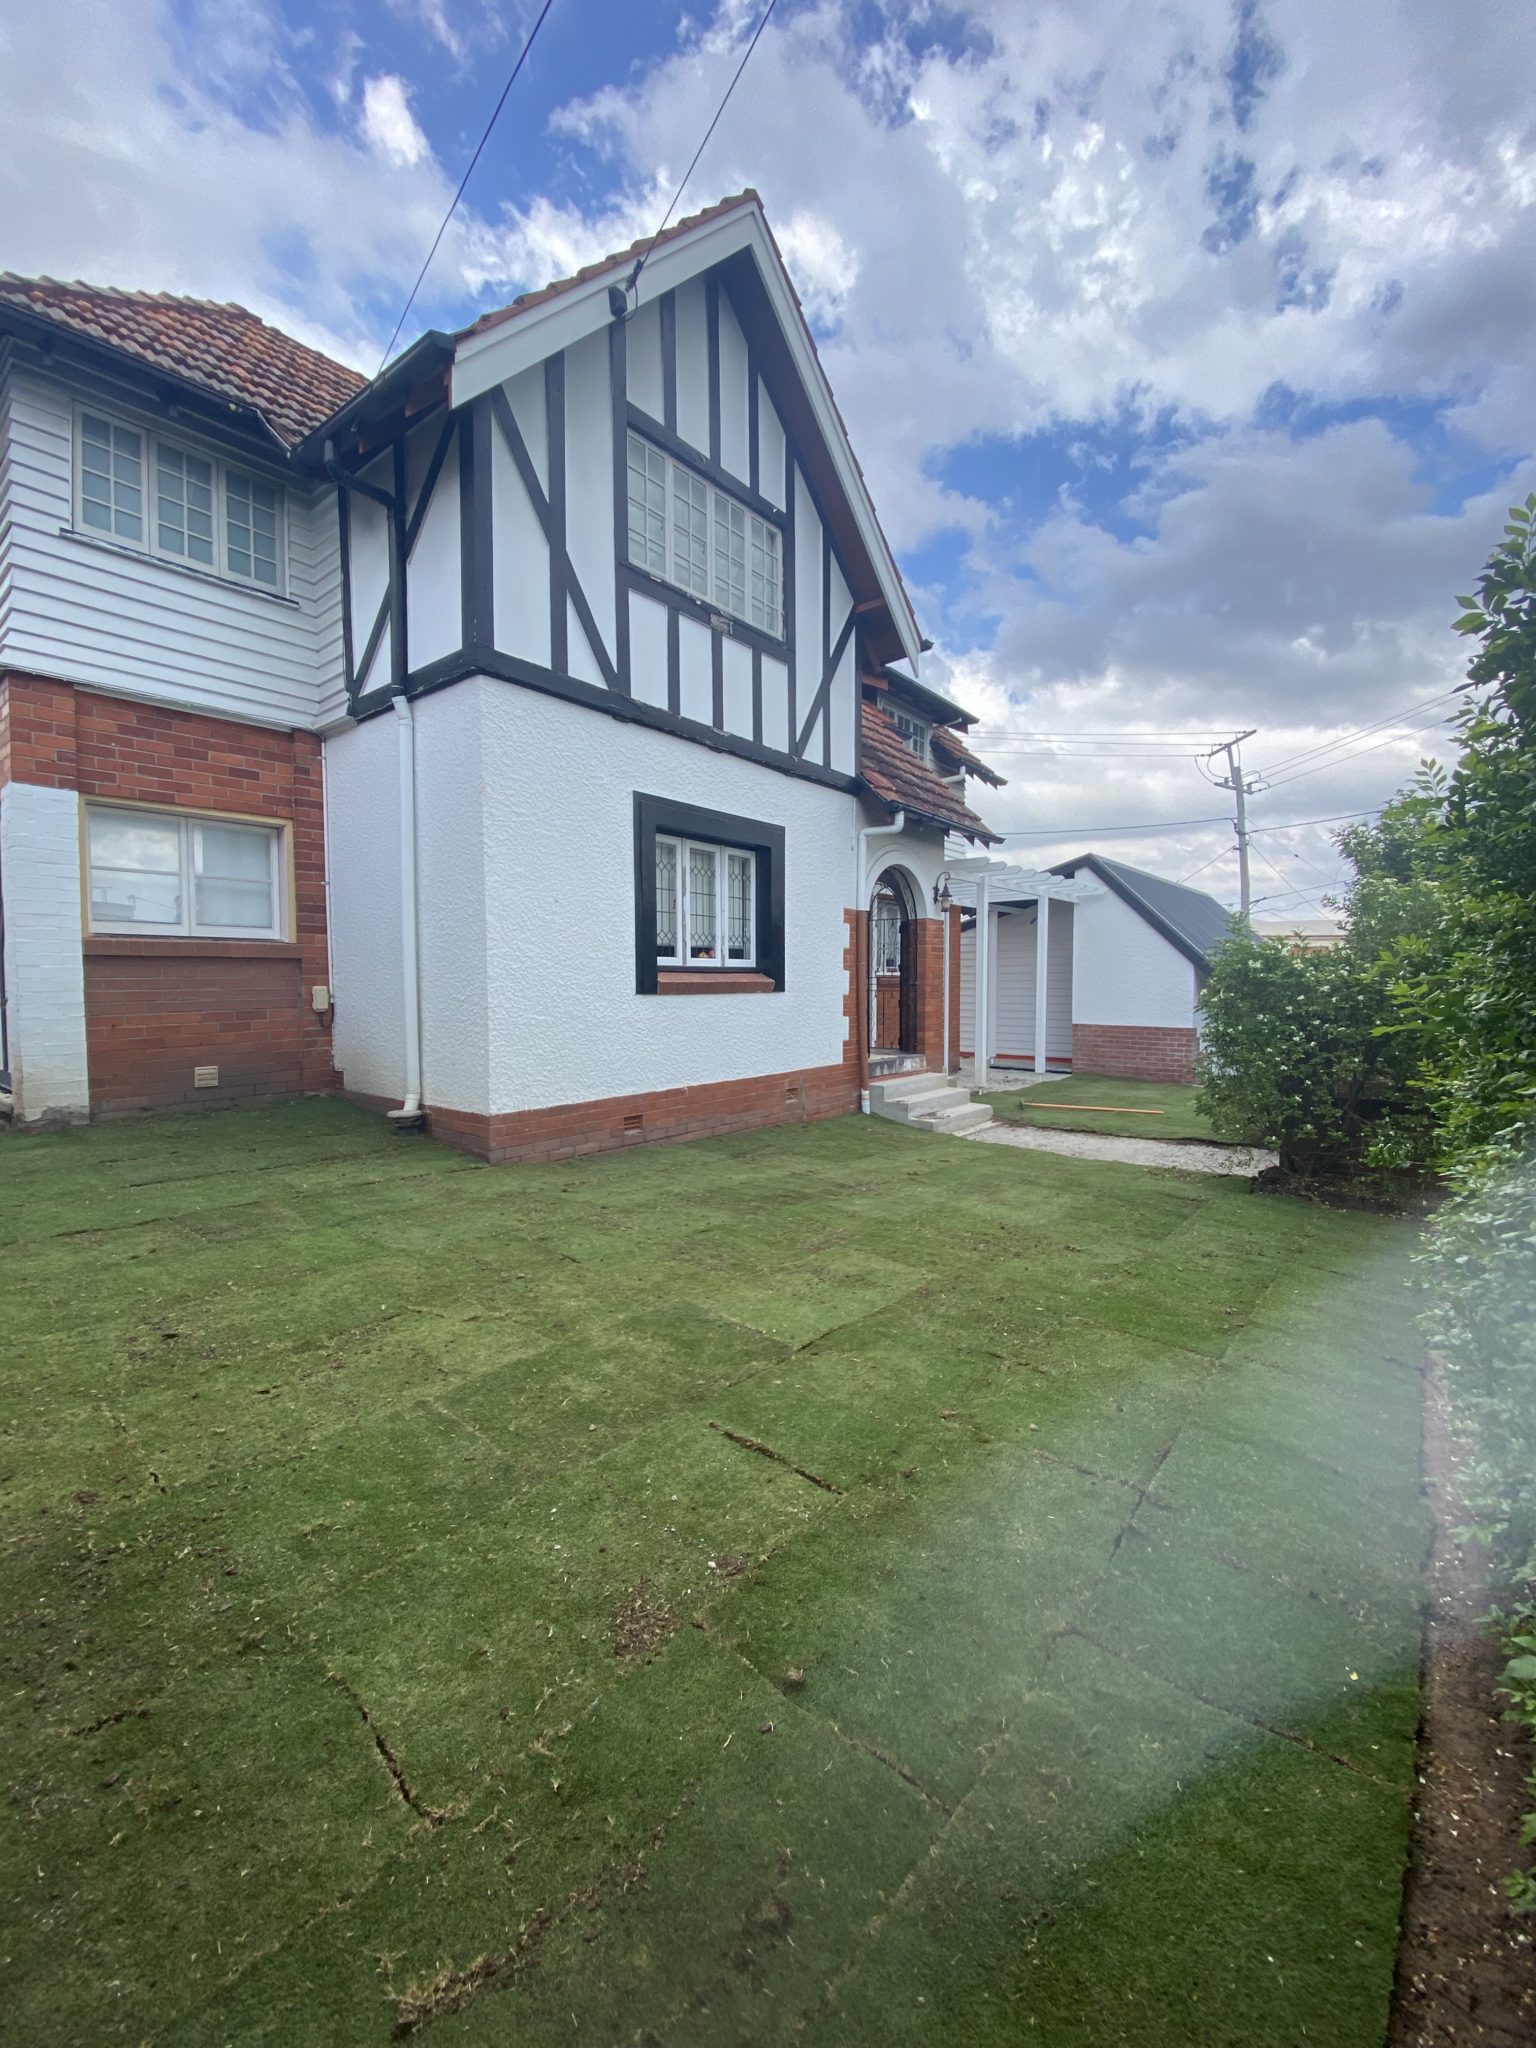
179, 945
81, 538
712, 981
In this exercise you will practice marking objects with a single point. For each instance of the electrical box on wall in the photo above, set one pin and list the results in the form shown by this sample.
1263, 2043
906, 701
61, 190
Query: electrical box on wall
320, 996
205, 1077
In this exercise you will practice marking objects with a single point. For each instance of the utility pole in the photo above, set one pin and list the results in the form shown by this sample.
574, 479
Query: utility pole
1241, 791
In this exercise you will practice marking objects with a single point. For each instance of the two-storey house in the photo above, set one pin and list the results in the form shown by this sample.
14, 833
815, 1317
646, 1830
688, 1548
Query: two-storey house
529, 739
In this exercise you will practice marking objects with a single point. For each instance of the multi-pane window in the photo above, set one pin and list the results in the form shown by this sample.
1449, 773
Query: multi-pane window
706, 904
162, 497
682, 529
111, 478
184, 504
912, 730
153, 871
250, 521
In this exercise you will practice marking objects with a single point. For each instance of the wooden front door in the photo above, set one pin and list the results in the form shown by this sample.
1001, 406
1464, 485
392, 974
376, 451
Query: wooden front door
892, 973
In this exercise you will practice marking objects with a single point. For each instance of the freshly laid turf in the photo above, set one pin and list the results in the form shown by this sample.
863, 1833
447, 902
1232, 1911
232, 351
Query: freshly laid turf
832, 1586
1177, 1116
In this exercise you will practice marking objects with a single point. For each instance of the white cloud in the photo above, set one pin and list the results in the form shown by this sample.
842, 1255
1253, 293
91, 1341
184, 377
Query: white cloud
388, 123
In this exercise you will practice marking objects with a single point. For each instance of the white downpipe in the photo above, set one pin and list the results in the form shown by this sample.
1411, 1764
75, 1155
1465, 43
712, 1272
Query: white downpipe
1042, 940
861, 843
409, 949
944, 928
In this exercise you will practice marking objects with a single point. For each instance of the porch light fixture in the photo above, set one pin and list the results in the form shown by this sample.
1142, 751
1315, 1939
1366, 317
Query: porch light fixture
942, 899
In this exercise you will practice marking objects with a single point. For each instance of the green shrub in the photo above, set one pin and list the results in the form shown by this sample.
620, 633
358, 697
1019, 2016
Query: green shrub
1292, 1053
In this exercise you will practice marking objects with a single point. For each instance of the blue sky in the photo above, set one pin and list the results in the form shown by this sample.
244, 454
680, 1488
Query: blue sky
1185, 348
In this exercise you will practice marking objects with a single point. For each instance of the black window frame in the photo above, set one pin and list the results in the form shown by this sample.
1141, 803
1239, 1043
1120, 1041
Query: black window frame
659, 814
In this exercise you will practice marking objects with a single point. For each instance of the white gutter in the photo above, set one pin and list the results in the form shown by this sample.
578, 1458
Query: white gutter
410, 958
861, 842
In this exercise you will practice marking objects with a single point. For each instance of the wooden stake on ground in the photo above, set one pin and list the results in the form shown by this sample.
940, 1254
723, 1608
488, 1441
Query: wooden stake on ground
1102, 1108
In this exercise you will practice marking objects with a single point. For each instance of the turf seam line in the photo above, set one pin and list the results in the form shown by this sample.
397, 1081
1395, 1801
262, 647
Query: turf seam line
892, 1763
752, 1443
434, 1816
1289, 1735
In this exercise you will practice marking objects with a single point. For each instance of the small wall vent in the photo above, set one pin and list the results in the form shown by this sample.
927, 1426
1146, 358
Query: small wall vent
205, 1077
633, 1125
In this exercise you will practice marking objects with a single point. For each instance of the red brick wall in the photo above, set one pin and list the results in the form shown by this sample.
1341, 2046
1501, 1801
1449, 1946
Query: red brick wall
930, 991
158, 1007
669, 1115
1134, 1052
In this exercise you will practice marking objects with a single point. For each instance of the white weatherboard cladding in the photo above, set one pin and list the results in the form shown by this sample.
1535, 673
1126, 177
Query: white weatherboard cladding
44, 969
734, 455
1125, 972
642, 344
692, 364
1013, 983
434, 611
566, 1023
770, 448
363, 801
589, 483
78, 607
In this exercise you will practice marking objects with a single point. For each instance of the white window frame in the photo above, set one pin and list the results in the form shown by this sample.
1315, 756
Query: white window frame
723, 855
912, 731
152, 440
718, 507
189, 925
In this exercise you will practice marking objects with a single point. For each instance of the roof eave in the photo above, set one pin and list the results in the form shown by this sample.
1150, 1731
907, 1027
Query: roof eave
434, 349
1198, 959
50, 334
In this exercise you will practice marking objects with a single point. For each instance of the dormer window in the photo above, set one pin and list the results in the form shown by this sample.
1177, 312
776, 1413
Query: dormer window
913, 732
149, 493
686, 531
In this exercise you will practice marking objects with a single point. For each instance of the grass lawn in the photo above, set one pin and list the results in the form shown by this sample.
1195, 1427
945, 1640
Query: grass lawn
1178, 1118
836, 1586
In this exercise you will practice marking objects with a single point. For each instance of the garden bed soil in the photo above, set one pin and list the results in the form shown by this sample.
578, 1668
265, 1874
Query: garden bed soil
1466, 1969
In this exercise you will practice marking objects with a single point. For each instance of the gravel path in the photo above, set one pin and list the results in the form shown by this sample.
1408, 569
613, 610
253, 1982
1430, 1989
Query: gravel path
1235, 1159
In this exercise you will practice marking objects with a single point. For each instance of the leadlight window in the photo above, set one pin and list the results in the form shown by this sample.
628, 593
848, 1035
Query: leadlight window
684, 530
706, 904
156, 495
157, 871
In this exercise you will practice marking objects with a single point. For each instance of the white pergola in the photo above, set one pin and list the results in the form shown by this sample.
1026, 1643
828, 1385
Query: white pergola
987, 884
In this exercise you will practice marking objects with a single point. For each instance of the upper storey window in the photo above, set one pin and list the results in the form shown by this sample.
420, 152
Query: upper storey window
912, 731
685, 530
156, 495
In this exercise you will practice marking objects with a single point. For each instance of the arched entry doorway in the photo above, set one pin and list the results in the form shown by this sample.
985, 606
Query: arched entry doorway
892, 969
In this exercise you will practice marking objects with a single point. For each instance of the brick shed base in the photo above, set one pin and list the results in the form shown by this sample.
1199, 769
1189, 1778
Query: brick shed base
1134, 1052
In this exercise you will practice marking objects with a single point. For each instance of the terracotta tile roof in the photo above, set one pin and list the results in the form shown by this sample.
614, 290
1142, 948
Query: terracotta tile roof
897, 777
221, 349
948, 742
620, 257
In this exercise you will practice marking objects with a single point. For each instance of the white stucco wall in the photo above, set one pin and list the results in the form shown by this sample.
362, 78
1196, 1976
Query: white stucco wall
566, 1025
44, 968
1124, 972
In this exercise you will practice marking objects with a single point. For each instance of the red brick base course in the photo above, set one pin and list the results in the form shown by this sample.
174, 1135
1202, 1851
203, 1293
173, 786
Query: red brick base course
714, 1109
1134, 1052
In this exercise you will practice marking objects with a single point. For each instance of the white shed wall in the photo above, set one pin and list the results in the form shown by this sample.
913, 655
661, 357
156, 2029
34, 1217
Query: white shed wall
1124, 972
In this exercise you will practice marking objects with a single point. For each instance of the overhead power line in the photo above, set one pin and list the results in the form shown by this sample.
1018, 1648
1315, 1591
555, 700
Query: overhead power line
1294, 760
644, 257
522, 58
1177, 825
1343, 760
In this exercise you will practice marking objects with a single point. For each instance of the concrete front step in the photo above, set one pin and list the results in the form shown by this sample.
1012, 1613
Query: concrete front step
932, 1102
